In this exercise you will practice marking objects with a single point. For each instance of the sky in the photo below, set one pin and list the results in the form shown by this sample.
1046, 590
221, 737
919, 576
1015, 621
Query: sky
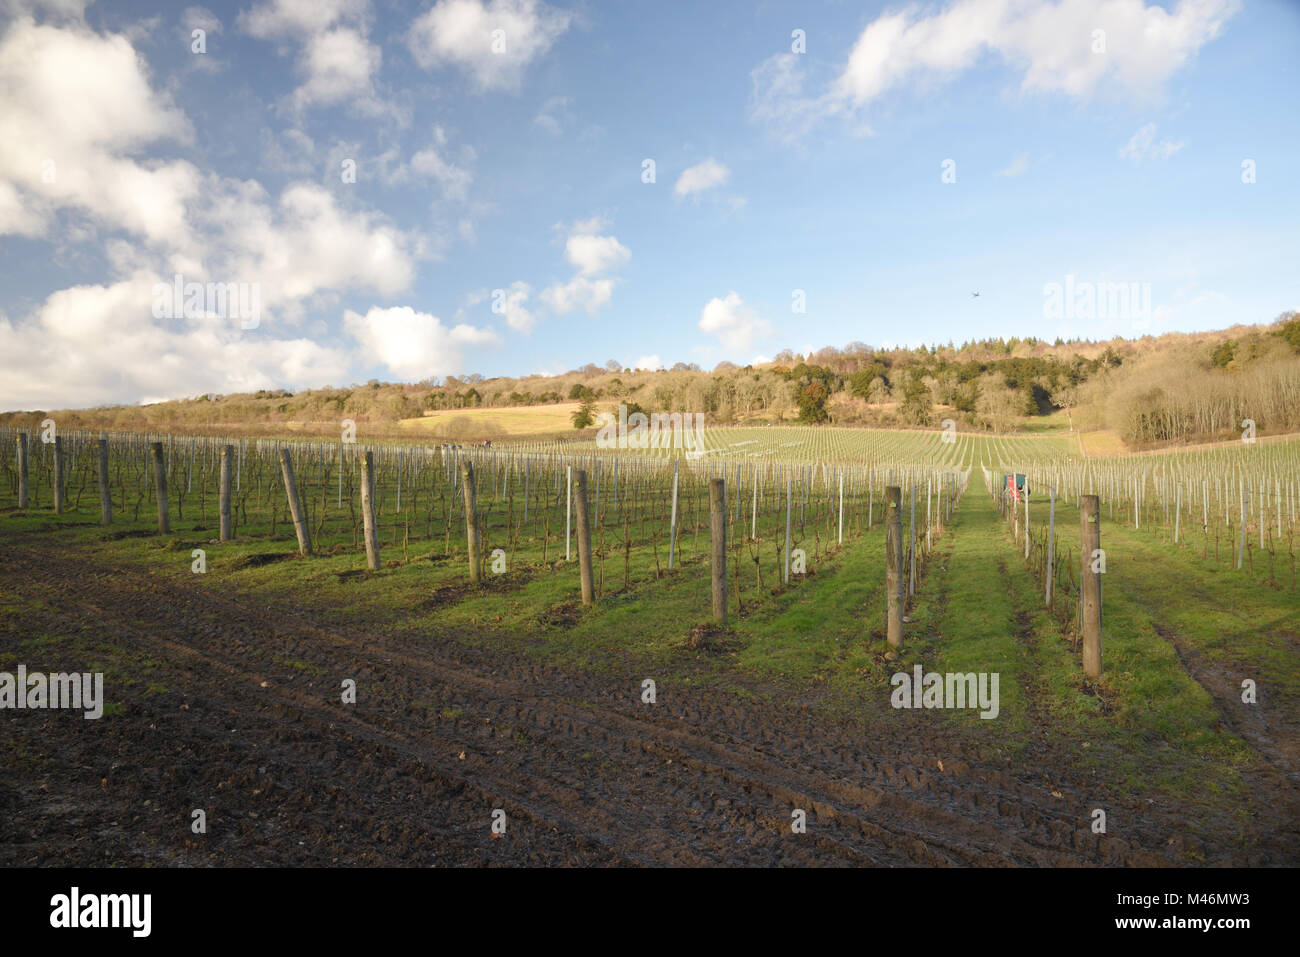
353, 189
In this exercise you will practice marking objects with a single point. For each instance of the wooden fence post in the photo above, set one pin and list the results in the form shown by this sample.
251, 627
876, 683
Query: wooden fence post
840, 539
22, 469
369, 529
471, 517
1090, 520
718, 535
893, 563
223, 495
58, 475
105, 493
672, 522
1051, 544
785, 578
584, 537
295, 505
160, 488
1026, 518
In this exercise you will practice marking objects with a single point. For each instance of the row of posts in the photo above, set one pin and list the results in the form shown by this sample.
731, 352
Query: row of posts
1090, 600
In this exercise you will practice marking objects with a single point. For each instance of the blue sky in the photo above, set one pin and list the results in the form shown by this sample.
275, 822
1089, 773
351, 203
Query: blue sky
513, 174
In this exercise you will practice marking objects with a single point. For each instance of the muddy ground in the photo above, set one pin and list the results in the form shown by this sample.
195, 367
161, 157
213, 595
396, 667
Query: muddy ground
235, 708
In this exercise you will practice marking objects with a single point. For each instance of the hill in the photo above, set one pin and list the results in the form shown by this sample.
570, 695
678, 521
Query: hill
1143, 393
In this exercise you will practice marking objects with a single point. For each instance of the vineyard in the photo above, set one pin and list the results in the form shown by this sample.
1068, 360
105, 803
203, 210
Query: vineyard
764, 568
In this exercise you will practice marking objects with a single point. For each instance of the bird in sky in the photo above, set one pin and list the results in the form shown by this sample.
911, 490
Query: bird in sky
975, 294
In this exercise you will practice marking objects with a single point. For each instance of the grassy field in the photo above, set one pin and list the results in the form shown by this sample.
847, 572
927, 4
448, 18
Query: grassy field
520, 422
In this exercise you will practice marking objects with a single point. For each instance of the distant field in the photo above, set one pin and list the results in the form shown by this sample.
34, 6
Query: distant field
1101, 444
515, 422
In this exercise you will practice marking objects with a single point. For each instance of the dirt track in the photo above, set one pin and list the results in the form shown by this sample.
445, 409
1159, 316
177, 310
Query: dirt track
247, 723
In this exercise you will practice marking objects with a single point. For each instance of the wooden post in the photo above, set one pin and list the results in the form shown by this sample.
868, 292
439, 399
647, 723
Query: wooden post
369, 529
672, 522
841, 531
295, 506
160, 487
893, 563
785, 577
1090, 521
568, 512
1026, 495
471, 517
1051, 544
584, 537
911, 545
718, 558
1241, 544
1178, 512
22, 469
58, 474
223, 496
105, 494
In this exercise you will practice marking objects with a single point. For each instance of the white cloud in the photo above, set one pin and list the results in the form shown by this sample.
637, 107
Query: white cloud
579, 293
107, 347
592, 254
460, 32
513, 307
454, 180
74, 107
1018, 165
1142, 146
1049, 44
646, 362
700, 177
414, 345
83, 102
302, 246
733, 323
338, 64
777, 98
595, 254
336, 59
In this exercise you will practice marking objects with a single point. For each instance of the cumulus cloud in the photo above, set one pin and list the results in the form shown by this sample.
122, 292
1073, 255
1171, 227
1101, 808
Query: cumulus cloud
595, 254
335, 57
700, 177
74, 107
591, 254
513, 306
1143, 146
303, 244
414, 345
454, 180
733, 323
493, 42
579, 293
651, 362
1075, 47
99, 344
